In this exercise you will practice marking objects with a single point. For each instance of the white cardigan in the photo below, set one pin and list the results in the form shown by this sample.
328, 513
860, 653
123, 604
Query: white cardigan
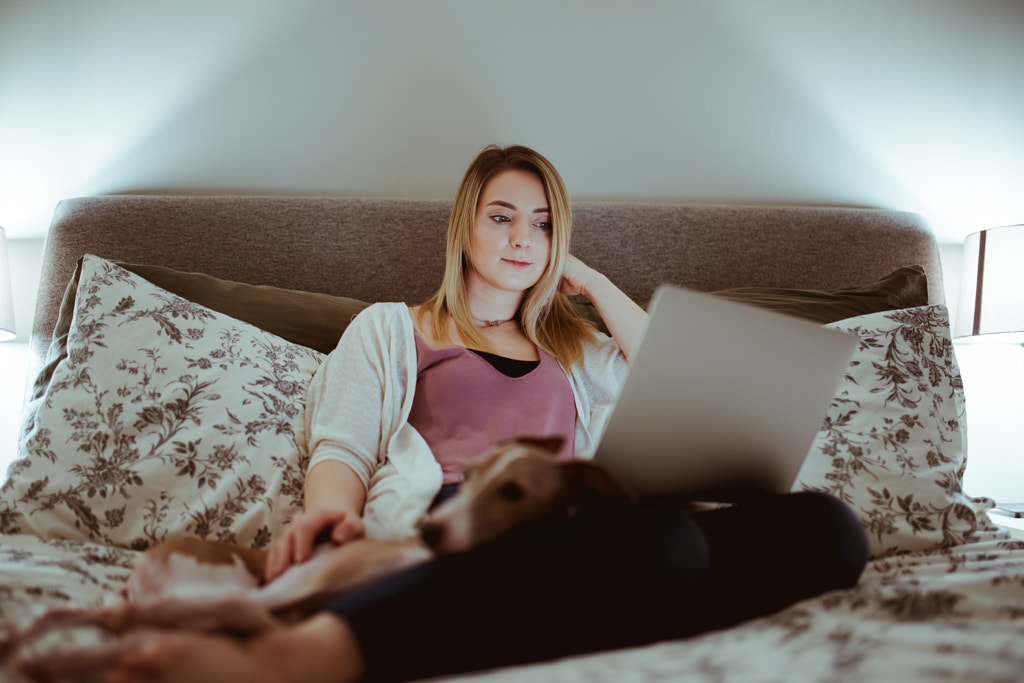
358, 406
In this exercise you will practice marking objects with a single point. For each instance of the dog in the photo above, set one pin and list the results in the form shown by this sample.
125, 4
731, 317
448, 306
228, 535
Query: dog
511, 484
191, 584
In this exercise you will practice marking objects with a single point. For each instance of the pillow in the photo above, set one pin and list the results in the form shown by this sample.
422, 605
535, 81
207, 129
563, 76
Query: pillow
903, 288
307, 318
892, 443
162, 419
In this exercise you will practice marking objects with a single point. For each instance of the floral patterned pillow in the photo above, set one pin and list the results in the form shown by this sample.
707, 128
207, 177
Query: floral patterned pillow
892, 444
164, 419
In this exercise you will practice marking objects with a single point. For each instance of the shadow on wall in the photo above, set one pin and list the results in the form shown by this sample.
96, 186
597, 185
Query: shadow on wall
645, 102
318, 108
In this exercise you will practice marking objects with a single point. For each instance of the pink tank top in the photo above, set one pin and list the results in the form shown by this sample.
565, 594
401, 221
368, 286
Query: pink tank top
464, 405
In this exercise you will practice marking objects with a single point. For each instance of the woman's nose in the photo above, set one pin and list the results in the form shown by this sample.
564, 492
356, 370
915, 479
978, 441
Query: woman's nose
520, 235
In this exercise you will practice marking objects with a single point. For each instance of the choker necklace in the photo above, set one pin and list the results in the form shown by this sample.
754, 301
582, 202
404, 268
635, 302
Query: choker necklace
492, 323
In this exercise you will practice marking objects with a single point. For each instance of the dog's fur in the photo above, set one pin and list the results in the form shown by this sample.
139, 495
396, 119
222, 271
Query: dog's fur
215, 587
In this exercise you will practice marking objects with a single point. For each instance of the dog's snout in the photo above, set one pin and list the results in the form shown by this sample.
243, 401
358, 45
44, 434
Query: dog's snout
432, 533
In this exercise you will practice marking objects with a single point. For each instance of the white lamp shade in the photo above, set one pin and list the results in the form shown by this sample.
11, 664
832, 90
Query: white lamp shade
7, 331
991, 306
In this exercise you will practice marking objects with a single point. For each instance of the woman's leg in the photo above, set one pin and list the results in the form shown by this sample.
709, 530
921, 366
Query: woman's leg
774, 552
610, 577
597, 580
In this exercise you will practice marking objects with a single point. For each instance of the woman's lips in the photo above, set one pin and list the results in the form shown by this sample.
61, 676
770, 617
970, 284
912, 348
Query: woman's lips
517, 264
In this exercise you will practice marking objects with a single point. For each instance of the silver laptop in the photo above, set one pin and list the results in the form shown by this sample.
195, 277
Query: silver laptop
722, 400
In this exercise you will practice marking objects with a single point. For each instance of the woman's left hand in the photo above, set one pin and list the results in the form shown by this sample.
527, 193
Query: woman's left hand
624, 319
576, 276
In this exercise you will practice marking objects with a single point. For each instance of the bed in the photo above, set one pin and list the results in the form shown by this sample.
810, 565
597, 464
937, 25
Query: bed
174, 336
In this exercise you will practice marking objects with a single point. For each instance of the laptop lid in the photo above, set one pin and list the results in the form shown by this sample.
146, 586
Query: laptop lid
721, 399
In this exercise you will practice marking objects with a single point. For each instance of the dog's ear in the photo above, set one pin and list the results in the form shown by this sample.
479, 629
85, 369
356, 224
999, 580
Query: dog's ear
583, 480
551, 444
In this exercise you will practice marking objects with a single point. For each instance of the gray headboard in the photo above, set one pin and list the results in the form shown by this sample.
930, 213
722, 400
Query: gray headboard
390, 249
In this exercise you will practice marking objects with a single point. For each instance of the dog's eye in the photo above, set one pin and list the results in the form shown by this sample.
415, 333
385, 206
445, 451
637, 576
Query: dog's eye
511, 491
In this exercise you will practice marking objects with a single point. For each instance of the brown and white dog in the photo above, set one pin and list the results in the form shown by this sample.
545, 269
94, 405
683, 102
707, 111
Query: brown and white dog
512, 483
190, 584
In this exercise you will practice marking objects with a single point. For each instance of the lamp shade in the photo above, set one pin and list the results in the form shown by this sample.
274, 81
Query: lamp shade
991, 306
7, 331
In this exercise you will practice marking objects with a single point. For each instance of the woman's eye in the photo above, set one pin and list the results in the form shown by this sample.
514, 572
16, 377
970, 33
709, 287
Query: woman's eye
543, 225
501, 219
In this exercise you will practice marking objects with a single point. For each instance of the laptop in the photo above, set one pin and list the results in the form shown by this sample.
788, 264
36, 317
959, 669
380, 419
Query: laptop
722, 400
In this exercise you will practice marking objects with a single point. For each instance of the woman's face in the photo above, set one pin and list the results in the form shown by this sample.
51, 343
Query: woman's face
511, 238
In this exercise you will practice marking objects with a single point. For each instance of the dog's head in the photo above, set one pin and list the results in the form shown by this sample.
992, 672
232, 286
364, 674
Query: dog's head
517, 481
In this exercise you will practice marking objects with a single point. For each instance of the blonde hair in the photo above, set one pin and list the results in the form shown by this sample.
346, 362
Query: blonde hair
546, 316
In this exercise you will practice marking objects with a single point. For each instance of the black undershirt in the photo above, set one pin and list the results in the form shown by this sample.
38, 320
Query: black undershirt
510, 367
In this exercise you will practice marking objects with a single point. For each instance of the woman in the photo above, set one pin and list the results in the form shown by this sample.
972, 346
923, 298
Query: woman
411, 393
507, 259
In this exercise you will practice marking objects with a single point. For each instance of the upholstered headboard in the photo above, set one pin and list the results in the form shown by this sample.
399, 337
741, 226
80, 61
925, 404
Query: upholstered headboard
389, 249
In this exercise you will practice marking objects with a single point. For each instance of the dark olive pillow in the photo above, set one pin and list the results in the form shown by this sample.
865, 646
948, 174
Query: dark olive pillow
903, 288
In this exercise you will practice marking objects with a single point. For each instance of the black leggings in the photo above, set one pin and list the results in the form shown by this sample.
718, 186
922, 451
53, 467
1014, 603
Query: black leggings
610, 576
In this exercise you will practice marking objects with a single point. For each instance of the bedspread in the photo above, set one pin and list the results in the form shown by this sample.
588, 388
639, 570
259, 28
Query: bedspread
951, 614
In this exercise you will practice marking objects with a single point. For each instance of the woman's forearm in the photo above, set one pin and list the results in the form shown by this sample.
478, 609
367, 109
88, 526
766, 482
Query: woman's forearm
333, 485
334, 500
623, 317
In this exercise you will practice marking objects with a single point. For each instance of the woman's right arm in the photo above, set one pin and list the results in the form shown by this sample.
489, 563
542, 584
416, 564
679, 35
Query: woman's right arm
333, 504
342, 432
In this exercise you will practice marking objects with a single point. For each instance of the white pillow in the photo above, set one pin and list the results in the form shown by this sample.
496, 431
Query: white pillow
163, 419
892, 444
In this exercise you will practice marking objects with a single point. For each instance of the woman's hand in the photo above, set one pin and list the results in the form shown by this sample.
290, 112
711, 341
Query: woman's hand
625, 320
575, 277
334, 500
296, 545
